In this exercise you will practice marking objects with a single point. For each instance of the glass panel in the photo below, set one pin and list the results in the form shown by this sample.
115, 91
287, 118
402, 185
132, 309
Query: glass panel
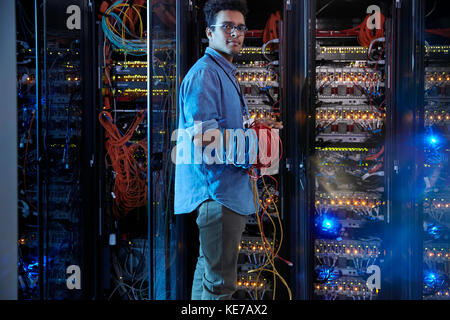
61, 133
350, 109
138, 206
51, 115
123, 121
28, 254
164, 122
436, 206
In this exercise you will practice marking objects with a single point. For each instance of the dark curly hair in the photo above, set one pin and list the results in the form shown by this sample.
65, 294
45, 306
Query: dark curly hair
212, 7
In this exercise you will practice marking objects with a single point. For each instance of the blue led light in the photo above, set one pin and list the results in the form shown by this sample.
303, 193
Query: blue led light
327, 225
433, 140
433, 230
432, 279
326, 273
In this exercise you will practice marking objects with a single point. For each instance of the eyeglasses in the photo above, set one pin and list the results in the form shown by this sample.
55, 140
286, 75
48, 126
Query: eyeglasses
229, 28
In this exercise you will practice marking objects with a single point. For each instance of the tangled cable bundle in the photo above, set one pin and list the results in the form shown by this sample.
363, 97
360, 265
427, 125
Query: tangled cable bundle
130, 185
125, 36
271, 250
364, 34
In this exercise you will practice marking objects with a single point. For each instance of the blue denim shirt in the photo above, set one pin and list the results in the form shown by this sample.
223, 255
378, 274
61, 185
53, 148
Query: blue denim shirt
209, 100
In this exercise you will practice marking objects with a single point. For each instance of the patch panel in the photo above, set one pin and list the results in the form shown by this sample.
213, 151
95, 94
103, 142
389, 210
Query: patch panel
140, 92
249, 54
130, 68
258, 76
443, 294
256, 100
436, 253
348, 249
250, 281
437, 82
351, 163
346, 287
437, 115
326, 272
437, 50
349, 200
351, 137
254, 245
358, 73
260, 112
363, 114
341, 53
436, 203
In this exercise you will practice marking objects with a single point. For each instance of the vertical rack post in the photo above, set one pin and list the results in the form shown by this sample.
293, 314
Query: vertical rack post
298, 72
150, 210
406, 150
8, 127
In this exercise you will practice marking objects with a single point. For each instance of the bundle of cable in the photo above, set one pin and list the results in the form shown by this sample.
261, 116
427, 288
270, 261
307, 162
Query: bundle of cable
366, 35
266, 136
130, 185
366, 32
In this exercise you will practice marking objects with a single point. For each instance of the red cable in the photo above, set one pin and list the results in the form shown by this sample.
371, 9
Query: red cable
373, 157
130, 184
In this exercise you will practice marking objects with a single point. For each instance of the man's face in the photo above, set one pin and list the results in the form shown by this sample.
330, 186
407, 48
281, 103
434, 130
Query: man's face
229, 44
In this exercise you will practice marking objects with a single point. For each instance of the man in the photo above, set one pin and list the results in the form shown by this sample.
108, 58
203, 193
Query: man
210, 101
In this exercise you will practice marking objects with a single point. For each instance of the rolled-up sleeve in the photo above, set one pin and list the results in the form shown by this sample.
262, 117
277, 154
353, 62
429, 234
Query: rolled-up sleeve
200, 99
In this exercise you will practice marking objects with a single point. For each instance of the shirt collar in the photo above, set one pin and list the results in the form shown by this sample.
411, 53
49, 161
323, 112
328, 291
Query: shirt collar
229, 67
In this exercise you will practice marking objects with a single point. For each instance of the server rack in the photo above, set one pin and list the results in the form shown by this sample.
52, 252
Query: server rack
351, 80
137, 117
413, 233
54, 150
75, 83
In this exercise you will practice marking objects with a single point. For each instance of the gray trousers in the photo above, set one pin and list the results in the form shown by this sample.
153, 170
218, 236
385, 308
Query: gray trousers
220, 232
